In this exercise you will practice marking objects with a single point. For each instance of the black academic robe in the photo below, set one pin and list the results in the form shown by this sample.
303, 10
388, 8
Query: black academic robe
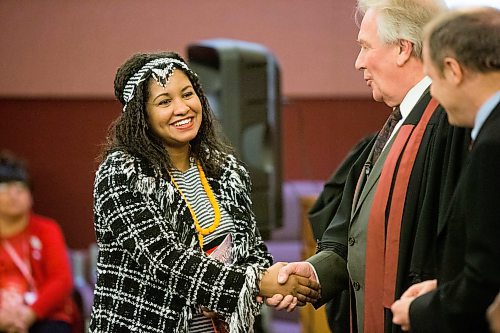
431, 183
320, 215
468, 245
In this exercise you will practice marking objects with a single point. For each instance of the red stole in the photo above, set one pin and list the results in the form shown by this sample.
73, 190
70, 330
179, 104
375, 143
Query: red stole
382, 251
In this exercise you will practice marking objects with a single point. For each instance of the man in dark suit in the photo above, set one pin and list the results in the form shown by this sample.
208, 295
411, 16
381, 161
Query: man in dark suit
462, 56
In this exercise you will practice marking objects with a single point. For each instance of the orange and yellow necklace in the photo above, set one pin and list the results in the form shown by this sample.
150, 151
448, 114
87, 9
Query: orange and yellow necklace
211, 197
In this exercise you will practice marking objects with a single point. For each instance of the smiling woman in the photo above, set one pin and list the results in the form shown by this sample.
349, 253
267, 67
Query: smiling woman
179, 247
174, 113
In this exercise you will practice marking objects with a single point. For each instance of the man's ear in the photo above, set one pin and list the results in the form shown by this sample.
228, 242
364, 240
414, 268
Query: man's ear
405, 50
452, 70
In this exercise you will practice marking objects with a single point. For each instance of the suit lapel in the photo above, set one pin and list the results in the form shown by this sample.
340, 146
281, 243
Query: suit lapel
369, 183
413, 118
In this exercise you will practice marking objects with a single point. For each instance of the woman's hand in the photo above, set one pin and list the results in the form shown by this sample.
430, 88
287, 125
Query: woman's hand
12, 319
27, 316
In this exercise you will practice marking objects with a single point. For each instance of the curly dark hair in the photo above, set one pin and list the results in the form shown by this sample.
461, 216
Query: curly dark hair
13, 168
131, 132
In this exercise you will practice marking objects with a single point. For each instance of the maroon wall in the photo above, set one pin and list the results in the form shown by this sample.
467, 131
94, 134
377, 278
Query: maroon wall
318, 133
62, 48
60, 140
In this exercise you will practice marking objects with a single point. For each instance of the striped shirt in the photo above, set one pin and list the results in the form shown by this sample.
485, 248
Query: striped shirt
190, 184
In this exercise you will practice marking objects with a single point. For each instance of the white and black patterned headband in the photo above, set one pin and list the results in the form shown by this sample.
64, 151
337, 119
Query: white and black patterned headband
160, 75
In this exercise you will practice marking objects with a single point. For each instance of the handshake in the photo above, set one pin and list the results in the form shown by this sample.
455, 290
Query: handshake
284, 286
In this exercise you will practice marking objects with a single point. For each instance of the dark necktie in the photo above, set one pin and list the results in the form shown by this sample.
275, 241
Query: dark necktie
385, 133
471, 144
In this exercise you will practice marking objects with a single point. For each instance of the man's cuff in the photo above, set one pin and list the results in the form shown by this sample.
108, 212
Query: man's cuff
331, 271
316, 278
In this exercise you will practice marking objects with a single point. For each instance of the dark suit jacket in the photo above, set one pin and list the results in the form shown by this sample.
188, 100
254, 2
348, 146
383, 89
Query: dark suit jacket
468, 245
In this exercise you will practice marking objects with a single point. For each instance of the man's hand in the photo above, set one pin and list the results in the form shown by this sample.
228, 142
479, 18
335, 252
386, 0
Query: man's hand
401, 312
289, 303
493, 315
304, 289
401, 308
301, 268
419, 289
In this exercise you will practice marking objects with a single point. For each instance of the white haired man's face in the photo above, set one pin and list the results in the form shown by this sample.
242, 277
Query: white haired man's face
378, 61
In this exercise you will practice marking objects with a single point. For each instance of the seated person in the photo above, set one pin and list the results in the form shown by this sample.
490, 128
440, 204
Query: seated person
35, 273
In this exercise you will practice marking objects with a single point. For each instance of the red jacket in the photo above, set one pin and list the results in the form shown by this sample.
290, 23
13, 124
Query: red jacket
50, 268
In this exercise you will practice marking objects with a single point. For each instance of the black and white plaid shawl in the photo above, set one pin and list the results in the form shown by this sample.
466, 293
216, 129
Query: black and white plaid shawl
151, 271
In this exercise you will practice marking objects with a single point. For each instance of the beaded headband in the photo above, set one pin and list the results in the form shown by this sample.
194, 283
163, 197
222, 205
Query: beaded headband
160, 75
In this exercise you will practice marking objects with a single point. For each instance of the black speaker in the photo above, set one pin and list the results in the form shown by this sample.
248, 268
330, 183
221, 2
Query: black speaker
242, 83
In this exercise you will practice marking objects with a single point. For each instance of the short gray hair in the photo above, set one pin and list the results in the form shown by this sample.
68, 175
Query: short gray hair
403, 19
470, 36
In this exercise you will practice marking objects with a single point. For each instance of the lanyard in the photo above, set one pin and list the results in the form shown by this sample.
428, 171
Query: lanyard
22, 265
